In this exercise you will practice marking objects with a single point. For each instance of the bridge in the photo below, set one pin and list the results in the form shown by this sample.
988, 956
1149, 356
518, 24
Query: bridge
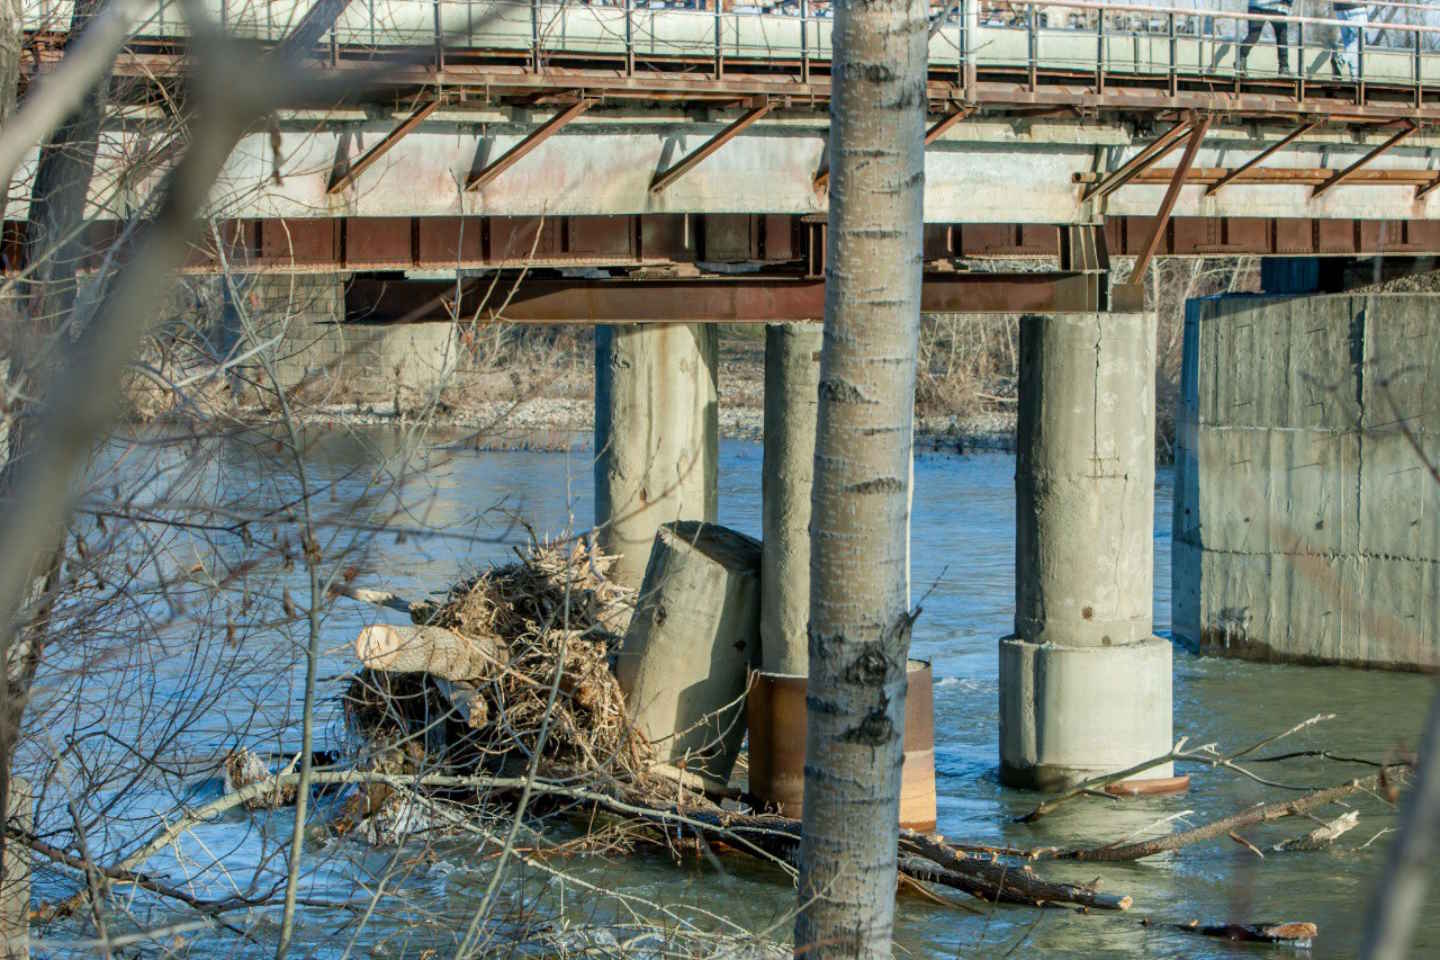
638, 141
658, 170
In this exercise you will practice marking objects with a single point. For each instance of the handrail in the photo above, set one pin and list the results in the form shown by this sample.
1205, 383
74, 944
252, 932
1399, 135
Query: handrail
959, 31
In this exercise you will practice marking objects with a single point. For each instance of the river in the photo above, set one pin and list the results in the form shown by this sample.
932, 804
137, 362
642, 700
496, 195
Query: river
962, 535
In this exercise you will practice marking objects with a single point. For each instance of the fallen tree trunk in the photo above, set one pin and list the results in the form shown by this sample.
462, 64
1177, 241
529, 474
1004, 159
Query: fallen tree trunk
1263, 813
1298, 935
434, 650
1322, 836
1001, 883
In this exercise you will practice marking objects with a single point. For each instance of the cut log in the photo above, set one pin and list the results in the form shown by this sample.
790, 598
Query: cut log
1323, 835
434, 650
694, 637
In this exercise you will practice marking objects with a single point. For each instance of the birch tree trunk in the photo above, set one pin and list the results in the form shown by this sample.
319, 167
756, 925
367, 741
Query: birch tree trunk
860, 519
12, 41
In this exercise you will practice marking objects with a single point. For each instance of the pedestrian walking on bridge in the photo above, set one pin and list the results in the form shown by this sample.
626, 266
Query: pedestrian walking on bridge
1254, 28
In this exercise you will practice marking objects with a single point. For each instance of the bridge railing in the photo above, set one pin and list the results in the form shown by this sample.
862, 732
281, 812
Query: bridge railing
1035, 39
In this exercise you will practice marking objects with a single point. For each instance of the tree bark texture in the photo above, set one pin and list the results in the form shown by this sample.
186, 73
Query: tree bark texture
859, 634
1399, 897
12, 42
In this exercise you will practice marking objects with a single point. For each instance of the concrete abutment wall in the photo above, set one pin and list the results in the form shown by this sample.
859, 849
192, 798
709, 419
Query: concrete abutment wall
1307, 526
393, 366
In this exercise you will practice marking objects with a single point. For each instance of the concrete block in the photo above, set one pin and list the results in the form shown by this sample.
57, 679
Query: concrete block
1070, 713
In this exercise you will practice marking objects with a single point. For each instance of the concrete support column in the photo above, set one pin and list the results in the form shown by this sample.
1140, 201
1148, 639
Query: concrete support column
1084, 685
792, 383
657, 433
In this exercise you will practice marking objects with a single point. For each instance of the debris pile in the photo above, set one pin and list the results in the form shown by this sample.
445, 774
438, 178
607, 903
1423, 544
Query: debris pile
519, 649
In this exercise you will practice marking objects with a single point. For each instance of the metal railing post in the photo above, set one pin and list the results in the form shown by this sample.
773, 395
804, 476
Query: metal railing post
439, 43
970, 10
629, 38
1030, 44
1300, 61
1100, 52
1360, 69
1174, 52
535, 35
719, 44
804, 41
1415, 68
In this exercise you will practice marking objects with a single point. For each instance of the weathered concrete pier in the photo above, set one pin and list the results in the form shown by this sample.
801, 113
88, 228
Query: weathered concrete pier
1084, 684
657, 435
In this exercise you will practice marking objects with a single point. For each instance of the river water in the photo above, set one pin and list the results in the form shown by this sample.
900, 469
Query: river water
962, 535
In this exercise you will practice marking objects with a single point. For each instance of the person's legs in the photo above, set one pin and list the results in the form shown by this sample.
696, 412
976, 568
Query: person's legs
1282, 44
1356, 19
1253, 30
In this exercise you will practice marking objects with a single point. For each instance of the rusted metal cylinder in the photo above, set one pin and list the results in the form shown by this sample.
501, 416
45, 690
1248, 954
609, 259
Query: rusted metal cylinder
775, 713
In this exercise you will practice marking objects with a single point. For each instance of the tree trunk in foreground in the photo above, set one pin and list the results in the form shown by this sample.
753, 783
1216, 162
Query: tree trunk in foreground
860, 518
12, 42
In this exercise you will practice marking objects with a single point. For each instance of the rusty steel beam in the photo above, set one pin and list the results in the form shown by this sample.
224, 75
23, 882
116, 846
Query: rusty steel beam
697, 156
1276, 176
1425, 188
822, 179
522, 149
1172, 193
353, 171
713, 300
1138, 164
1262, 156
1350, 171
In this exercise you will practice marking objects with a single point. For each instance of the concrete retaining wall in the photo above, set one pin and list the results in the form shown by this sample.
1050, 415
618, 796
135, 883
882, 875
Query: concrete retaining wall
1307, 527
399, 365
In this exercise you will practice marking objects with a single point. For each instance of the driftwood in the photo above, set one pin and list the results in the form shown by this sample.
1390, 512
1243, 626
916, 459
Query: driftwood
437, 651
243, 767
983, 877
1009, 884
1296, 934
1207, 755
1322, 836
1262, 813
925, 859
419, 611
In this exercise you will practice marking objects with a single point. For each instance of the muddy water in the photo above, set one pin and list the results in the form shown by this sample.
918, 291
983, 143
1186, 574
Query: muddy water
962, 549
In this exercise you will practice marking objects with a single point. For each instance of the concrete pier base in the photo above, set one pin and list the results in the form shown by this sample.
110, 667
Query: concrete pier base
1068, 713
657, 432
1084, 686
792, 382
